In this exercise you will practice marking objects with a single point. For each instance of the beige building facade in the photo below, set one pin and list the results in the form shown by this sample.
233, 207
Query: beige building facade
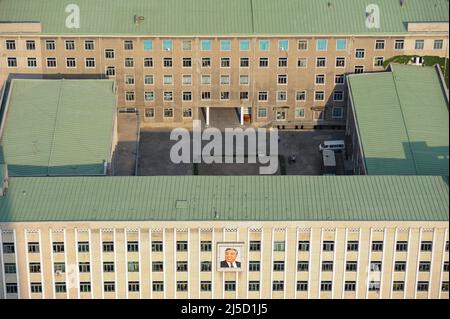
285, 81
295, 260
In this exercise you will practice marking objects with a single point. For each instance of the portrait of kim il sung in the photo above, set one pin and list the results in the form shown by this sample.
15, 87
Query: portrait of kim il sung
230, 256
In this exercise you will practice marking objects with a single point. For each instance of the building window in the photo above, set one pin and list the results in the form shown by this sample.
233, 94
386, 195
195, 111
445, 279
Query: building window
351, 266
167, 80
110, 71
426, 246
319, 95
401, 246
374, 286
90, 62
148, 45
168, 113
129, 62
167, 62
262, 112
187, 112
446, 267
8, 248
36, 287
338, 96
302, 286
132, 246
84, 267
157, 246
11, 289
58, 247
187, 62
205, 286
244, 80
148, 62
33, 248
359, 69
379, 44
129, 96
321, 44
149, 112
303, 246
206, 62
245, 63
320, 79
350, 286
243, 96
206, 79
444, 287
109, 286
182, 266
282, 62
128, 45
225, 45
321, 62
303, 45
253, 286
167, 45
352, 246
157, 266
187, 45
438, 44
283, 45
148, 80
422, 286
10, 268
263, 96
254, 266
299, 112
302, 266
51, 62
108, 246
264, 45
302, 62
85, 287
230, 286
264, 62
182, 286
398, 286
182, 246
327, 266
224, 79
326, 286
379, 61
50, 45
341, 44
278, 266
59, 267
206, 246
282, 79
376, 266
70, 45
340, 62
110, 54
338, 112
60, 287
205, 266
282, 96
158, 286
12, 62
108, 267
35, 268
279, 246
300, 96
225, 95
244, 45
71, 62
339, 79
328, 246
133, 266
89, 45
10, 45
133, 286
400, 266
399, 44
225, 62
31, 45
206, 96
419, 44
205, 45
360, 53
424, 266
278, 285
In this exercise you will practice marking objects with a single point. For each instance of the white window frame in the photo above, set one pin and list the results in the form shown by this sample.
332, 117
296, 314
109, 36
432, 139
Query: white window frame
86, 63
71, 67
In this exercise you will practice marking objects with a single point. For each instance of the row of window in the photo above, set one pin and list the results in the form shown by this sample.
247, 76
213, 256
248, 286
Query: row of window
226, 45
90, 62
229, 286
157, 246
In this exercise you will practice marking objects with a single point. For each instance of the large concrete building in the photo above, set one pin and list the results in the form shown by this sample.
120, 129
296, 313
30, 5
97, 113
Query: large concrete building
164, 237
279, 63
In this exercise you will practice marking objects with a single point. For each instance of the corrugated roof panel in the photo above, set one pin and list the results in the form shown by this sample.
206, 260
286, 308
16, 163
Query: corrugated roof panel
375, 198
402, 118
218, 17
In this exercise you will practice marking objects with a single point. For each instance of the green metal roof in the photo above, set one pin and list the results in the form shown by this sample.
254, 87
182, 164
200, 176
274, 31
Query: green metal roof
237, 198
59, 127
219, 17
402, 119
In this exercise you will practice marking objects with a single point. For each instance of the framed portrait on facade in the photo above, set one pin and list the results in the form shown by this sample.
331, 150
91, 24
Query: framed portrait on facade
230, 257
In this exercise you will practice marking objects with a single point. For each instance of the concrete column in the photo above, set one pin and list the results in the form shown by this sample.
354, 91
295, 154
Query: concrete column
207, 116
242, 115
